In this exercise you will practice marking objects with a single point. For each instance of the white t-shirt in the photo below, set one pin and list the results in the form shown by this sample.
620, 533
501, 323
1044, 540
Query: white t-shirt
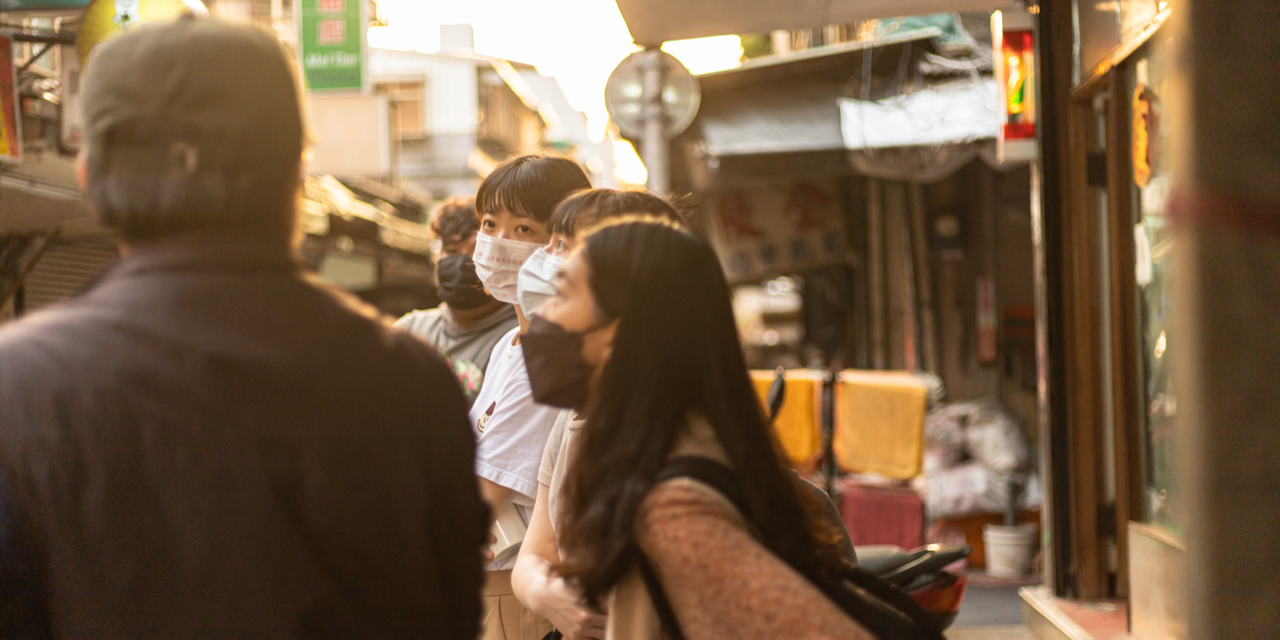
511, 429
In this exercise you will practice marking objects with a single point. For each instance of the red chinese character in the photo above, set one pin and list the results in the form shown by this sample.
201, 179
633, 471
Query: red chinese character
331, 6
804, 203
331, 32
735, 219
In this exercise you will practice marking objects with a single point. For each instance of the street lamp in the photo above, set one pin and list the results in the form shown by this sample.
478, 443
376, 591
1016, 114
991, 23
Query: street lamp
652, 97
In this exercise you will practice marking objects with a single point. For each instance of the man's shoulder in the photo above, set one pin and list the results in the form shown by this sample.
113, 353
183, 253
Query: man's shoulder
502, 319
421, 320
407, 340
58, 328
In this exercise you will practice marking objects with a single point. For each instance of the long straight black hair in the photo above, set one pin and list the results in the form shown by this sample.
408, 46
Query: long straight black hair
676, 351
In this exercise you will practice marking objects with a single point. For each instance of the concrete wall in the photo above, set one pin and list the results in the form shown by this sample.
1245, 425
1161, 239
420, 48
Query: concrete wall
440, 162
994, 209
1228, 305
451, 105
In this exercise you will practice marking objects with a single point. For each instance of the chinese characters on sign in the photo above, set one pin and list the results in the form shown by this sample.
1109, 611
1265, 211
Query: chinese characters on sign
765, 232
331, 45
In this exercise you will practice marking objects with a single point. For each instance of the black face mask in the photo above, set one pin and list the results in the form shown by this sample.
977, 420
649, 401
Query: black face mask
558, 374
460, 287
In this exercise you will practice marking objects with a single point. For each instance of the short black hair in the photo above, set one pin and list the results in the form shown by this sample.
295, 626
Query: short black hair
455, 219
585, 208
530, 186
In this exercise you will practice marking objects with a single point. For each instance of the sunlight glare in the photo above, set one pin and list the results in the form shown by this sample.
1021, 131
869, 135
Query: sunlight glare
629, 169
705, 55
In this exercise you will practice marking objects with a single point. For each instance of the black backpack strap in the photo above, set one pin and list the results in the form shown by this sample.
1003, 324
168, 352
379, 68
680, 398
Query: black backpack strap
902, 607
711, 473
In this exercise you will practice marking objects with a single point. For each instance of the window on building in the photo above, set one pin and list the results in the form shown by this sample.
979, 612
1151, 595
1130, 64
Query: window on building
406, 102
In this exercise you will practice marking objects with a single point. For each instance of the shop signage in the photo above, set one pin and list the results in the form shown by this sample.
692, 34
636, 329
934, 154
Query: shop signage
106, 18
10, 122
1013, 44
987, 321
331, 45
764, 232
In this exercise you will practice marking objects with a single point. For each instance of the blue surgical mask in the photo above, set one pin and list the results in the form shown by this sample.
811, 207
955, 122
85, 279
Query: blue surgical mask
536, 283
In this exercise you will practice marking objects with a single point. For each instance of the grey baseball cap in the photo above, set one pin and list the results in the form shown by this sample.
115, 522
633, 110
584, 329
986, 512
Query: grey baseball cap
224, 94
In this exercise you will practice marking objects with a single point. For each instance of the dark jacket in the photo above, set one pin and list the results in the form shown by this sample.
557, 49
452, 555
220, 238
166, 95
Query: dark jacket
207, 444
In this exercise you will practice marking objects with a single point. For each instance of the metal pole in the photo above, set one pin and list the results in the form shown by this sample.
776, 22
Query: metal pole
653, 147
875, 270
924, 280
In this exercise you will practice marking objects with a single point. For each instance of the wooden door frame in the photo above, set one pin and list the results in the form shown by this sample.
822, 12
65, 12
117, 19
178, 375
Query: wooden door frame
1125, 338
1085, 400
1084, 556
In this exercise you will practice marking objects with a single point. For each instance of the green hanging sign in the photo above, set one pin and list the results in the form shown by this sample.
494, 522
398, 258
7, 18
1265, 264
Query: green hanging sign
331, 45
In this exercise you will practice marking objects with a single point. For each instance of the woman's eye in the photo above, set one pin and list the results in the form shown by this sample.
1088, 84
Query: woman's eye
524, 229
560, 246
488, 224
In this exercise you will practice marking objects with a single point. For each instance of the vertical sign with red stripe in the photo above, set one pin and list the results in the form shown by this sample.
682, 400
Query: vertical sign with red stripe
987, 322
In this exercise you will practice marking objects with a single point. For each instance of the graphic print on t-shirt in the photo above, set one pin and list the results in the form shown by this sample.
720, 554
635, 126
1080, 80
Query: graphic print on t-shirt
469, 376
484, 419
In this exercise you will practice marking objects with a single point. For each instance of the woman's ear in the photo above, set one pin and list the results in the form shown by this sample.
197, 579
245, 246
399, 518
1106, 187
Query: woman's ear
608, 333
597, 344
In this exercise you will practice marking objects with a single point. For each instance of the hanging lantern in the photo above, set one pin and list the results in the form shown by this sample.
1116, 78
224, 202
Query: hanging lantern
1013, 47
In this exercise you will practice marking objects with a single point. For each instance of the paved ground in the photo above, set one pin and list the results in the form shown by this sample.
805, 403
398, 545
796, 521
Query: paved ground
991, 633
990, 607
990, 613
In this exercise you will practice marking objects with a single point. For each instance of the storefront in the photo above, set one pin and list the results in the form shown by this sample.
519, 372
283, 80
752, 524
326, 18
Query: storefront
1117, 509
368, 238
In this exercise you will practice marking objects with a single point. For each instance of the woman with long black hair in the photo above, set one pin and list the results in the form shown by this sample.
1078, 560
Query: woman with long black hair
641, 339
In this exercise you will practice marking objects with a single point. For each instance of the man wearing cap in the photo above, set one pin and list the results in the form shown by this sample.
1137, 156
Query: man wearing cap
208, 443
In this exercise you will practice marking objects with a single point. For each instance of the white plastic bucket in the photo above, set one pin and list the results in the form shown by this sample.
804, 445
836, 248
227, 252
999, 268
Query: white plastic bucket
1009, 549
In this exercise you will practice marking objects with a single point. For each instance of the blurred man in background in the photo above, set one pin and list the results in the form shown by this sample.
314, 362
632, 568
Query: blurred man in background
467, 325
208, 443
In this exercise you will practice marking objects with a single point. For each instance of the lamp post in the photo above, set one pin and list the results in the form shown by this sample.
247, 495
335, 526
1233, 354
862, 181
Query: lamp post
653, 146
652, 98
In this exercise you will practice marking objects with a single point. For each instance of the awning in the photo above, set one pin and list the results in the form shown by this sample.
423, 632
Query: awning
953, 112
392, 231
803, 117
656, 21
790, 103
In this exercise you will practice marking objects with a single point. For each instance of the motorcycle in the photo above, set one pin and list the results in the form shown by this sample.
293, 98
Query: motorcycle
920, 573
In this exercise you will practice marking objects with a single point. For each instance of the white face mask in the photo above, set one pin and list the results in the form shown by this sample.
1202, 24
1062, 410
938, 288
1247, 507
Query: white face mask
498, 264
536, 284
